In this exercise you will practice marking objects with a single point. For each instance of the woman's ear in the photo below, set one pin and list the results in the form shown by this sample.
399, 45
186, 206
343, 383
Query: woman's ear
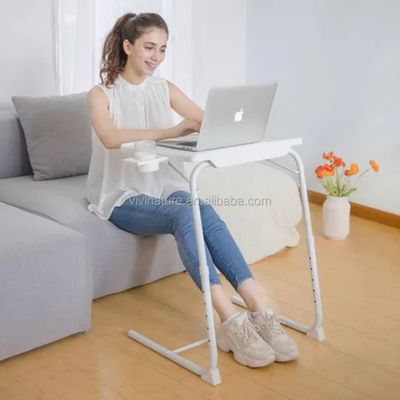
127, 47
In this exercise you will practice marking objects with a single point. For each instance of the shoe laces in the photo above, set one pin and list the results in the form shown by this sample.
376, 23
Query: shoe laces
248, 331
272, 321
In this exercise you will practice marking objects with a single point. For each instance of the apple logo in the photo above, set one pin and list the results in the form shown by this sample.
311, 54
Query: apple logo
239, 115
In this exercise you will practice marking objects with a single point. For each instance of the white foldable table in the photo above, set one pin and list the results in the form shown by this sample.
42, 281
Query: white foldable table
267, 150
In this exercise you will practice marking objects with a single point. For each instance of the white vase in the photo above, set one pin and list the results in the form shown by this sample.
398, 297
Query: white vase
336, 218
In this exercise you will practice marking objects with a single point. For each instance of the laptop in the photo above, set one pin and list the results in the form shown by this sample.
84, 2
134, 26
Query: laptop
233, 116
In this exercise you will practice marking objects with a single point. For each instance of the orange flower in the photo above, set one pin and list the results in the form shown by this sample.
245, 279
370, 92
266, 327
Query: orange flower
338, 161
352, 170
325, 170
374, 166
320, 172
328, 156
329, 172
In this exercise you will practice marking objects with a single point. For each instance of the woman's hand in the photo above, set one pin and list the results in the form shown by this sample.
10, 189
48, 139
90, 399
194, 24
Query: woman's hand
186, 127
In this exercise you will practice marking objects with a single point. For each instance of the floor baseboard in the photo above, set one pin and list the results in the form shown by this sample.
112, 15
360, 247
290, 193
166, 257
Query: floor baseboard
358, 210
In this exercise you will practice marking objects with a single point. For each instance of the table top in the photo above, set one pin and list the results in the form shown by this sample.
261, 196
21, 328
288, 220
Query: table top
267, 149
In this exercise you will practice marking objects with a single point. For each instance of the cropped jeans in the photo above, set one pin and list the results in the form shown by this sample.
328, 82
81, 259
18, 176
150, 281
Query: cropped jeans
146, 215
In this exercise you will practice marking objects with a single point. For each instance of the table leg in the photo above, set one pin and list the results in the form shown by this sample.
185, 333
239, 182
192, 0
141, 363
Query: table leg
211, 373
204, 273
315, 331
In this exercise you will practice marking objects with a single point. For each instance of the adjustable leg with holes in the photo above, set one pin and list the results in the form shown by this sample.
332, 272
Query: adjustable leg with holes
211, 373
315, 331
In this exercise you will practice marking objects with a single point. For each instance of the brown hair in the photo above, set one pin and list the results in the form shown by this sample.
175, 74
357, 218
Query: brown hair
130, 26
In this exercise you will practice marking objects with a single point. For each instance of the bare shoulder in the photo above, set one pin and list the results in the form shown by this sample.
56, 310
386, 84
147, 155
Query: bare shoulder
96, 92
96, 97
175, 93
172, 87
182, 104
102, 122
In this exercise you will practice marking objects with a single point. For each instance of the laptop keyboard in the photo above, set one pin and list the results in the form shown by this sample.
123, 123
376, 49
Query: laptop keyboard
190, 144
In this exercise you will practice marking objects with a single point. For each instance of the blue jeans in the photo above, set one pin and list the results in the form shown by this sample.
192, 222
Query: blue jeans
145, 215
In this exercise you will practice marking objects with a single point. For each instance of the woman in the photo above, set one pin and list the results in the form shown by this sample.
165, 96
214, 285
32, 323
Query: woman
131, 105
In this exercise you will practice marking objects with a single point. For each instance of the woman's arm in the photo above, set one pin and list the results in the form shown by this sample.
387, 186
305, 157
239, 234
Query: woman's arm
184, 106
113, 138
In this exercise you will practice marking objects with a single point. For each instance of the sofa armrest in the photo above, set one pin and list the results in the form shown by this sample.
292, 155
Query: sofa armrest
46, 281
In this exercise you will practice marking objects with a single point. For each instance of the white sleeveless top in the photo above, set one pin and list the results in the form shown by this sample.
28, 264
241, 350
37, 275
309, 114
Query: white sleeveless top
144, 106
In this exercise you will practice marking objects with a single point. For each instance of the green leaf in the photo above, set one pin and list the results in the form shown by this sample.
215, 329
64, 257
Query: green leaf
339, 189
350, 191
329, 186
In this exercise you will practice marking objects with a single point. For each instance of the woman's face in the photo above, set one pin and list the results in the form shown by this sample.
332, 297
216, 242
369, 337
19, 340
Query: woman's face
148, 52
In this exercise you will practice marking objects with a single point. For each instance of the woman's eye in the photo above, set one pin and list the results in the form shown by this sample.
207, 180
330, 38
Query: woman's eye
148, 48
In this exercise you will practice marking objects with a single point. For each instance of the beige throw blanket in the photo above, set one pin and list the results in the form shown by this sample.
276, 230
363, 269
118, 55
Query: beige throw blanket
260, 205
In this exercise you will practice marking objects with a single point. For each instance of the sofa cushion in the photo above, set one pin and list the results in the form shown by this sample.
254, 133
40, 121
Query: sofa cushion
121, 260
14, 160
58, 134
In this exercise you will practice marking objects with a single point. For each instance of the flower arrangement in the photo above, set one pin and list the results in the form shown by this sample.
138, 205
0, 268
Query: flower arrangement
336, 179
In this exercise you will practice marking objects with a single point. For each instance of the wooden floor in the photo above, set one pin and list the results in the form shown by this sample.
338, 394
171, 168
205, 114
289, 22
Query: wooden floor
360, 358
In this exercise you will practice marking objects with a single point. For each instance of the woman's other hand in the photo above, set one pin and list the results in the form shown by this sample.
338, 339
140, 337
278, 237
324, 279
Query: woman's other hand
186, 127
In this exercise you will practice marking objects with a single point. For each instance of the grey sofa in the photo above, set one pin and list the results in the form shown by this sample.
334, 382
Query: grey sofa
55, 256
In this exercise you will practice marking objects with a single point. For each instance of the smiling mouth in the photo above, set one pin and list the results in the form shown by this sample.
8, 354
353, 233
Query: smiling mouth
150, 65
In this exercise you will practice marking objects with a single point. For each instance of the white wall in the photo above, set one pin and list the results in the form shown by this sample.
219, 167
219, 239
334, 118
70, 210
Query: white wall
26, 41
337, 63
219, 45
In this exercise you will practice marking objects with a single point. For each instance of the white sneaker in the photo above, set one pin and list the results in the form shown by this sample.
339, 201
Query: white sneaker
240, 336
269, 328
